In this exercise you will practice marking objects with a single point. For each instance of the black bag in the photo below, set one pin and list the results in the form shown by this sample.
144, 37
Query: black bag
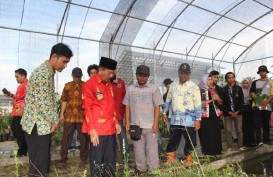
135, 132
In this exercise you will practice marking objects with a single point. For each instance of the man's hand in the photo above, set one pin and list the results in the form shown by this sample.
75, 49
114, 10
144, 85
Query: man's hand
53, 128
94, 137
197, 125
252, 94
235, 114
165, 118
127, 126
215, 97
231, 114
118, 129
264, 104
61, 119
155, 128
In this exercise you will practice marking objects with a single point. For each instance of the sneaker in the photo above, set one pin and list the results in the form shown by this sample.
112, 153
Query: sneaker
260, 144
242, 148
229, 150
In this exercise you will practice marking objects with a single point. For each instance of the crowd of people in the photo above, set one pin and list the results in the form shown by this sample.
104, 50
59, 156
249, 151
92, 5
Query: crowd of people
102, 109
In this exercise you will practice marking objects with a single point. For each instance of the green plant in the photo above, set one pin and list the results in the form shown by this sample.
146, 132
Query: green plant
5, 121
258, 98
162, 126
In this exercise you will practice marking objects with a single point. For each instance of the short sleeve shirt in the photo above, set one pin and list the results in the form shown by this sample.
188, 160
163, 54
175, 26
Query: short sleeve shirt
142, 101
72, 94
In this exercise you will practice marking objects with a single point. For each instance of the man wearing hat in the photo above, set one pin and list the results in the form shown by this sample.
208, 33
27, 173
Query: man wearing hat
72, 115
102, 123
184, 101
261, 113
143, 102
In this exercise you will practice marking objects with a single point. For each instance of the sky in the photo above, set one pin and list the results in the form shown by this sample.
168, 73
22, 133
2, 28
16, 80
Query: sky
28, 50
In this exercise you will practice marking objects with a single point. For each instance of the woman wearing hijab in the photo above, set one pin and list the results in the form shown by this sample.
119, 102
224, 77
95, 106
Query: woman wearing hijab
248, 124
210, 131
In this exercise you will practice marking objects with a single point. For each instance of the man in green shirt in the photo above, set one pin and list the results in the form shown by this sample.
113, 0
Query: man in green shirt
40, 116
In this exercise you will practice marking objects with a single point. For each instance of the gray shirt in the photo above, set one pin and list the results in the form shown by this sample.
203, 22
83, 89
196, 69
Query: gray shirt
142, 101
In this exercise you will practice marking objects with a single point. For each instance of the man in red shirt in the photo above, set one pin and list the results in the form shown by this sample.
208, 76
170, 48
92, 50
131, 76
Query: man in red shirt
17, 111
119, 93
100, 115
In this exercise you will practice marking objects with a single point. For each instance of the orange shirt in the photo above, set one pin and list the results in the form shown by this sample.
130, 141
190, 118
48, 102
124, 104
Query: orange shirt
99, 106
19, 97
72, 94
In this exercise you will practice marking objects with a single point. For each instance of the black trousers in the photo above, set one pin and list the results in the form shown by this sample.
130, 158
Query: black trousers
38, 153
176, 133
103, 157
261, 120
19, 135
248, 129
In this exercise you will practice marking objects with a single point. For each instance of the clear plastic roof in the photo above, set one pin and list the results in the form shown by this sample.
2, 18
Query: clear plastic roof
224, 34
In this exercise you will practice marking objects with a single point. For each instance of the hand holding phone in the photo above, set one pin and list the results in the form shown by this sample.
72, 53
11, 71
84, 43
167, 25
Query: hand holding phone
5, 91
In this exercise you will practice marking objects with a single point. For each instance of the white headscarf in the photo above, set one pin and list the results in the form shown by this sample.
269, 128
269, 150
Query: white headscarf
204, 79
246, 91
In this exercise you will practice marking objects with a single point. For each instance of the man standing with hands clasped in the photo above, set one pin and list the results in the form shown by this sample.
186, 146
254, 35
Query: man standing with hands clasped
185, 101
102, 123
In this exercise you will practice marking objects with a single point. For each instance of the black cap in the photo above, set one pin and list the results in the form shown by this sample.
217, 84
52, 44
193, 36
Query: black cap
184, 68
108, 63
143, 69
77, 72
262, 68
167, 81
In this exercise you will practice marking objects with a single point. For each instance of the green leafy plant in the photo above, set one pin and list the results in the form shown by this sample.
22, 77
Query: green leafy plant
5, 121
162, 126
258, 98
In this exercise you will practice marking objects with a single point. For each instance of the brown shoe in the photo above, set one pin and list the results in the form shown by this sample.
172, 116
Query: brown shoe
188, 162
61, 164
170, 158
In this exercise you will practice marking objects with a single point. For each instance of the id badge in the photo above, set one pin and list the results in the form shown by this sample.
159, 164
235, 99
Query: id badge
99, 95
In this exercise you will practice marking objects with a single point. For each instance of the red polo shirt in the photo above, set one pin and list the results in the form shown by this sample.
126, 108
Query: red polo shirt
119, 93
99, 106
19, 97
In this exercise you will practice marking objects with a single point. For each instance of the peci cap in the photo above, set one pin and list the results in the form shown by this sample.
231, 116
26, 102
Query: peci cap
143, 69
262, 68
108, 63
77, 72
167, 81
184, 68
